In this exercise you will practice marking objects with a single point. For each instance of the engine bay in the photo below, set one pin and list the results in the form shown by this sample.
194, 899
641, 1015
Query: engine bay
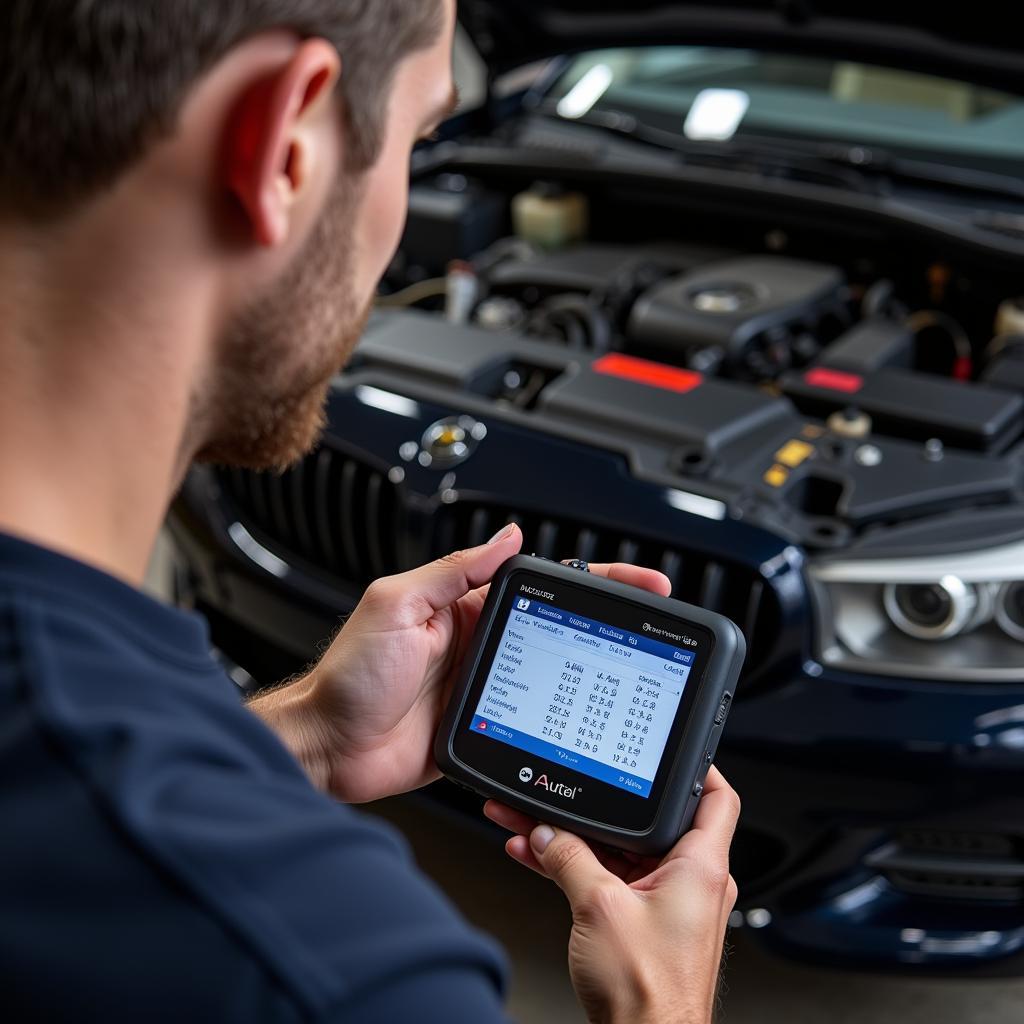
832, 383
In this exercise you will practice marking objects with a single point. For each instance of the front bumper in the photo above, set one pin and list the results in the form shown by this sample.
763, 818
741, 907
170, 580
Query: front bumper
898, 831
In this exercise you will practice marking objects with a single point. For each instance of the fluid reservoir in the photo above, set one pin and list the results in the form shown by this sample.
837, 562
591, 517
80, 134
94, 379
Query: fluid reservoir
549, 217
1010, 318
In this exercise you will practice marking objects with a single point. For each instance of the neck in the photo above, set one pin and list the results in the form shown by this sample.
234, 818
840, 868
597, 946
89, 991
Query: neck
94, 422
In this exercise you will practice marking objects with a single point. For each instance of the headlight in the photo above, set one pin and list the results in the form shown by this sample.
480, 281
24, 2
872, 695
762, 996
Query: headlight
938, 611
1010, 610
944, 617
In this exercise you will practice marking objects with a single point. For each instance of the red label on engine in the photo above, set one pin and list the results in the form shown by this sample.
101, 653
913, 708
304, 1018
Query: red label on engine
657, 375
834, 380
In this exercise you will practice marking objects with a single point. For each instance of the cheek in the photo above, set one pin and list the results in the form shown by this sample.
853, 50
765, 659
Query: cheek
382, 220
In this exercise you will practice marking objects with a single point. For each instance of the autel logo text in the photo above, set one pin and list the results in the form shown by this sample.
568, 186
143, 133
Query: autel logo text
558, 788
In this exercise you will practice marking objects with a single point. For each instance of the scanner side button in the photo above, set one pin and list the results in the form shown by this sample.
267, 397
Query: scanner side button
723, 708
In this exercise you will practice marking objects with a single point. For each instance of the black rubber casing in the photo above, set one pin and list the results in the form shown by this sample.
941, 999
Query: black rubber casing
690, 761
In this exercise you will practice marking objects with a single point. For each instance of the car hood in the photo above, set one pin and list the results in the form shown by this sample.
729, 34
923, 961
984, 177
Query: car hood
975, 44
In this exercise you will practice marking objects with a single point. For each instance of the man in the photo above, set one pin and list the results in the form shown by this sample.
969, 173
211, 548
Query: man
197, 198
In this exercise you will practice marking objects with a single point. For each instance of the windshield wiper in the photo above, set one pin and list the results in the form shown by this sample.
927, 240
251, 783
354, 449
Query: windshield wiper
879, 162
860, 168
764, 160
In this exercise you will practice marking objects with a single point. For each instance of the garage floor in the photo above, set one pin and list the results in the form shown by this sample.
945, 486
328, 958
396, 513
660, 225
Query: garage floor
531, 920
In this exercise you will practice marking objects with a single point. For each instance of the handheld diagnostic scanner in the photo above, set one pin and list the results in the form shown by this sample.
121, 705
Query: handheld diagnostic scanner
591, 704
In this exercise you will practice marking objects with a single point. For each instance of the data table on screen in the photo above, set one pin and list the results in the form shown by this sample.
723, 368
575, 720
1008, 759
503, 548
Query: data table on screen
584, 693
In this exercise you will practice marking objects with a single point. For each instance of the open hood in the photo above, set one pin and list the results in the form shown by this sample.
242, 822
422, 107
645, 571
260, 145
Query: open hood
975, 43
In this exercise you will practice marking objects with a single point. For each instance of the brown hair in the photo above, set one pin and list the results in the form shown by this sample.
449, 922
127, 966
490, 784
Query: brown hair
87, 85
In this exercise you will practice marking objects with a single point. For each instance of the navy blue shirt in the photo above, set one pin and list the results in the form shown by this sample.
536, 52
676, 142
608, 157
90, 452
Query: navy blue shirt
162, 855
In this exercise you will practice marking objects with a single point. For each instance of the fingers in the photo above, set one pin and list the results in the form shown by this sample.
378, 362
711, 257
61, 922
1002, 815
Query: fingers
473, 602
518, 848
714, 823
719, 808
635, 576
425, 591
568, 861
445, 581
626, 866
506, 817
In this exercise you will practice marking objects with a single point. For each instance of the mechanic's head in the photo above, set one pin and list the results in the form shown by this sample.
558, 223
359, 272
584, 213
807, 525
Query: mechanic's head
251, 155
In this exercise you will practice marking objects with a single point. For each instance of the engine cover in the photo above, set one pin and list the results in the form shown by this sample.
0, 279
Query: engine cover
737, 305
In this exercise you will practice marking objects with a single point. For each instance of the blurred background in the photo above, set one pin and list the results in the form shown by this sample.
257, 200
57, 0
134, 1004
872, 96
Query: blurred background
830, 236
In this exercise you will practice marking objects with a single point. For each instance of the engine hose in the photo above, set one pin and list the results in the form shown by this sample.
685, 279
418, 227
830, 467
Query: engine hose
963, 365
575, 318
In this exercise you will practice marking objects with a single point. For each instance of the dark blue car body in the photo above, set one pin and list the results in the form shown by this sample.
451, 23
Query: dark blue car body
877, 829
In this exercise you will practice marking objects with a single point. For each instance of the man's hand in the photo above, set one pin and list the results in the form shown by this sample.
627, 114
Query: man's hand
363, 722
646, 942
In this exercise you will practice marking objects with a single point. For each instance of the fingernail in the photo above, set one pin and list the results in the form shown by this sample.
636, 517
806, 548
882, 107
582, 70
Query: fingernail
502, 534
540, 838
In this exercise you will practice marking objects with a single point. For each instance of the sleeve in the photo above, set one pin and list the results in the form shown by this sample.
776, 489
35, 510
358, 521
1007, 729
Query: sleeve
329, 900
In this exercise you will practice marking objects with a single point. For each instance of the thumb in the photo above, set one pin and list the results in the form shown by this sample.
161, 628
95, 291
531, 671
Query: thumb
568, 862
443, 582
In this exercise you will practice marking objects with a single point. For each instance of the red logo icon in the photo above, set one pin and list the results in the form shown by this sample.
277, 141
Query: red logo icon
482, 726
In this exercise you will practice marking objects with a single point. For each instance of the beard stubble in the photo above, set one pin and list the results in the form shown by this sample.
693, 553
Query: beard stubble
268, 399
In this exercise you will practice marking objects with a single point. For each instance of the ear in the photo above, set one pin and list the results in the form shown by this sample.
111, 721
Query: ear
275, 138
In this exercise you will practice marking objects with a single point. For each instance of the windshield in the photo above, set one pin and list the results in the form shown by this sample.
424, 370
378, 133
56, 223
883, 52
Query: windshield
705, 93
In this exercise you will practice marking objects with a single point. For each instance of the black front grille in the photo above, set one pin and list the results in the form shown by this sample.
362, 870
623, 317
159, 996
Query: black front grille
337, 514
331, 511
732, 589
953, 865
